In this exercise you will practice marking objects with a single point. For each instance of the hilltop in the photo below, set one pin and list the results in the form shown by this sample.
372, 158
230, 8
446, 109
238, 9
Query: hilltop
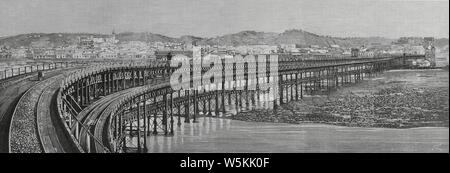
44, 39
293, 36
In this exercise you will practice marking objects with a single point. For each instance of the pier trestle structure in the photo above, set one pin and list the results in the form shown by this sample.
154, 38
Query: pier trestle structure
144, 103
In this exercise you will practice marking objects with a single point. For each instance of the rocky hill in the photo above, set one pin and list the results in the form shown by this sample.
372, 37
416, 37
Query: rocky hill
441, 42
294, 36
144, 36
44, 40
299, 37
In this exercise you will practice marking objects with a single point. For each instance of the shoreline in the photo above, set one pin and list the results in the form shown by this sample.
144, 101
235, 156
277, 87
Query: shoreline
317, 124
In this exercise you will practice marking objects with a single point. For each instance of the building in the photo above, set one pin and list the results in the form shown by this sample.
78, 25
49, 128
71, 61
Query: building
61, 53
5, 53
314, 46
409, 40
78, 55
19, 53
89, 54
430, 50
417, 50
112, 39
167, 55
346, 53
107, 55
355, 52
98, 40
335, 46
86, 42
367, 54
43, 54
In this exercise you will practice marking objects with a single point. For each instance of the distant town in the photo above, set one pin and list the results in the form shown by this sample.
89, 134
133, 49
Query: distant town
108, 46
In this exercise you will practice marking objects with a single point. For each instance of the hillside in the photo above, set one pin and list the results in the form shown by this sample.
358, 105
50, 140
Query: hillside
64, 39
291, 37
294, 36
441, 42
189, 38
144, 37
44, 40
242, 38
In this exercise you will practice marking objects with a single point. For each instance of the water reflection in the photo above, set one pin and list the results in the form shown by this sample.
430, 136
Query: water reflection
225, 135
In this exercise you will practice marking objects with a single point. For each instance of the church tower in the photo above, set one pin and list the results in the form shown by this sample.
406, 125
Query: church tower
112, 38
113, 34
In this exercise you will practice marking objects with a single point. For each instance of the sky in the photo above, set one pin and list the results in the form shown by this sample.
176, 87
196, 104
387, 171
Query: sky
210, 18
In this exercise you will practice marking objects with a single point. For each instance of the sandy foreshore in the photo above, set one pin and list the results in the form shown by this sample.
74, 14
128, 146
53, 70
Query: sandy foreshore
395, 99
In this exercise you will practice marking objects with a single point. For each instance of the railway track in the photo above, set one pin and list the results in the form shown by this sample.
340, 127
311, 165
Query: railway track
102, 122
23, 135
95, 117
90, 115
32, 121
11, 91
49, 125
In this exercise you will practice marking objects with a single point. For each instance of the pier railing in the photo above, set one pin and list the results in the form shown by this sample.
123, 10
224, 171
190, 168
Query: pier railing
18, 71
9, 73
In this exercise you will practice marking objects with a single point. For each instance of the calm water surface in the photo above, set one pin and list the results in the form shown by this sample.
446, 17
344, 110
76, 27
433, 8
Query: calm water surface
226, 135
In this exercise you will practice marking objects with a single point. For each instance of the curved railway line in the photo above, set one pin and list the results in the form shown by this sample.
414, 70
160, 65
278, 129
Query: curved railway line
103, 118
32, 122
11, 91
22, 132
48, 124
95, 116
90, 117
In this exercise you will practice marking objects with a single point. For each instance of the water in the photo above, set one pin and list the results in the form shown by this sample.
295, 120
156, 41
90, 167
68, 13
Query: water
230, 136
